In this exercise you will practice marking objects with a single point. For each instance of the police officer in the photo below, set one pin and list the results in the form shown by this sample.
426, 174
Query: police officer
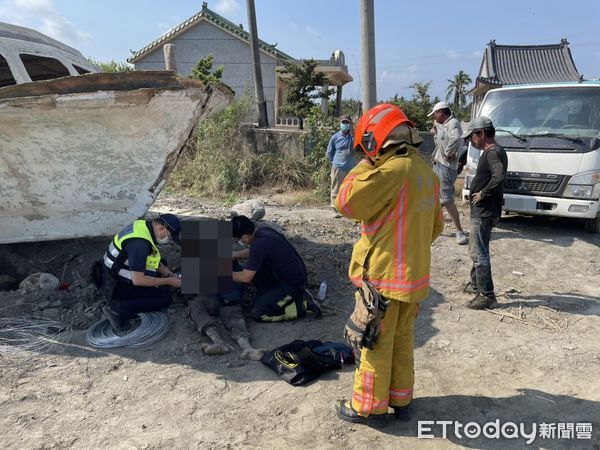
136, 277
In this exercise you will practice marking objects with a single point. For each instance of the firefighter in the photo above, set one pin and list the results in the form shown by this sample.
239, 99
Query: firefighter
394, 194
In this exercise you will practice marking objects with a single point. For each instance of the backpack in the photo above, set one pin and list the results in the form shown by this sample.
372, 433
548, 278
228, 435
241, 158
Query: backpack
299, 362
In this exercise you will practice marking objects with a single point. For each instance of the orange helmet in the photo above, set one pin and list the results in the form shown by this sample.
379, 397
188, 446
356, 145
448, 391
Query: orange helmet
375, 125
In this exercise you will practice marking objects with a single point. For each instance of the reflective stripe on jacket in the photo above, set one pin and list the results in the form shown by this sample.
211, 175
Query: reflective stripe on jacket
115, 255
397, 203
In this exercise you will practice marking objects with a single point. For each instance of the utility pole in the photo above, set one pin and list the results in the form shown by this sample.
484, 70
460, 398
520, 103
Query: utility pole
261, 104
367, 30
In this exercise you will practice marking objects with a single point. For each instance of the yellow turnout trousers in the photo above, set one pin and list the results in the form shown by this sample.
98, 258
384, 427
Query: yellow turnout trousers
386, 373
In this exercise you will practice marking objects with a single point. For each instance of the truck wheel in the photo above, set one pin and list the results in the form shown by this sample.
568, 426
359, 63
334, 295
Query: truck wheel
592, 225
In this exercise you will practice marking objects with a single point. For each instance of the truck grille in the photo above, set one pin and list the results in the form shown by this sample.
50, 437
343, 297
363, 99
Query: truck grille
536, 184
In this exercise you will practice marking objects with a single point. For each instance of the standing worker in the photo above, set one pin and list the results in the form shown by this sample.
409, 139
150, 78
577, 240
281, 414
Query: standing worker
448, 142
136, 278
395, 195
340, 154
487, 193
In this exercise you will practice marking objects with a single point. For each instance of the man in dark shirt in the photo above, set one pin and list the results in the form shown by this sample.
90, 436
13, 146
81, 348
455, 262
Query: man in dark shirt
276, 270
486, 193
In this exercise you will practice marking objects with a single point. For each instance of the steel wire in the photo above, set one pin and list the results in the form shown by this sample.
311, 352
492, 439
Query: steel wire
30, 335
153, 327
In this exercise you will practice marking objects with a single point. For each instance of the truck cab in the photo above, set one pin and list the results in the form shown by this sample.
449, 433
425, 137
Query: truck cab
551, 134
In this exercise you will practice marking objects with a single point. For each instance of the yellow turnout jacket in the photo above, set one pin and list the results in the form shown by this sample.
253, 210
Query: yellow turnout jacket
397, 203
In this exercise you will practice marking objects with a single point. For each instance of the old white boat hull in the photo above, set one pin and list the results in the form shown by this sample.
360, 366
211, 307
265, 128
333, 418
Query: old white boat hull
83, 156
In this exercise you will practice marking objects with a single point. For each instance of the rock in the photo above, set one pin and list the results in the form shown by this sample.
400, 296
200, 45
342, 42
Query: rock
7, 282
39, 282
253, 209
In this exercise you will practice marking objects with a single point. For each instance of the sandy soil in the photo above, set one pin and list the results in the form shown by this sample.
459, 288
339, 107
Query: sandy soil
534, 359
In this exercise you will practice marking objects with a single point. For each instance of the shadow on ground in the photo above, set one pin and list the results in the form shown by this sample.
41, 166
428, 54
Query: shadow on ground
558, 231
529, 407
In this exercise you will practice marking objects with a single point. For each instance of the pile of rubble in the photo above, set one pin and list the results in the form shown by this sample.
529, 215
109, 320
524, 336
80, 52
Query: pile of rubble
41, 295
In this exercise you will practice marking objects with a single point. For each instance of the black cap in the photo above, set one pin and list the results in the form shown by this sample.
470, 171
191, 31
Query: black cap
171, 222
345, 118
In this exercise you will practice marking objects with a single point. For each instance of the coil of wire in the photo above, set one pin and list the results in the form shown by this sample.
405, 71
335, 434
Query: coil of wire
153, 327
18, 335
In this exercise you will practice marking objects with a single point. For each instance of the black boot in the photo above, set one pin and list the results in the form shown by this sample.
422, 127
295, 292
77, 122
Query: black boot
402, 413
345, 412
115, 319
482, 301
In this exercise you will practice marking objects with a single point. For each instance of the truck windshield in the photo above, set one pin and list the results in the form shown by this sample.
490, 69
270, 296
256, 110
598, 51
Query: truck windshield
568, 111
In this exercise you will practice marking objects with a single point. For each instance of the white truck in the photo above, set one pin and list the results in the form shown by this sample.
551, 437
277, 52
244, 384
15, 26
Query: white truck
551, 133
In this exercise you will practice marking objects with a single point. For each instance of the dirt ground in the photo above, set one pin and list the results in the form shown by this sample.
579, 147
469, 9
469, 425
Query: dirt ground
535, 359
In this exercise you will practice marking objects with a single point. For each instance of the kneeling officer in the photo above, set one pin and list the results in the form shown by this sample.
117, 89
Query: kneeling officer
136, 279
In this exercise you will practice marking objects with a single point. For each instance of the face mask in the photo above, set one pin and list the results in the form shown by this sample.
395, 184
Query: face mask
163, 241
344, 126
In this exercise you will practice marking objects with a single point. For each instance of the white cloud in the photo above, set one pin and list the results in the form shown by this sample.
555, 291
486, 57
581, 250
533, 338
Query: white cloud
35, 6
42, 16
454, 55
407, 74
227, 7
312, 31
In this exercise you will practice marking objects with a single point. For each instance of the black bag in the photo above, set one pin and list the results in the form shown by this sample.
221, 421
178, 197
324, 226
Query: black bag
97, 273
103, 279
297, 363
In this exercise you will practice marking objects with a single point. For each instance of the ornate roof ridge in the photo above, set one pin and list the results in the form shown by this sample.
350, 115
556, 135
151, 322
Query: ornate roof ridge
215, 19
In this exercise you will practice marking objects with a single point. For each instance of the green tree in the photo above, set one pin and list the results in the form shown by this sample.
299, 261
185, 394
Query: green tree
418, 106
202, 70
351, 107
112, 66
304, 87
457, 89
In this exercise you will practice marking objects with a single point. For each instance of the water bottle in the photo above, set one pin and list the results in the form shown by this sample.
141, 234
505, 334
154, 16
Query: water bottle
322, 290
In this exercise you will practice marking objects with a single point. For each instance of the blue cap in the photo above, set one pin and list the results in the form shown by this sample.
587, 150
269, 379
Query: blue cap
171, 222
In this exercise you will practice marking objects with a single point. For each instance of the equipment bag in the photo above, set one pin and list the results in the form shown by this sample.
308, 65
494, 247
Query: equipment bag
297, 362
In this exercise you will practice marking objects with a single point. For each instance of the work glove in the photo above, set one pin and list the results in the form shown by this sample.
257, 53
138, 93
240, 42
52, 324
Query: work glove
363, 326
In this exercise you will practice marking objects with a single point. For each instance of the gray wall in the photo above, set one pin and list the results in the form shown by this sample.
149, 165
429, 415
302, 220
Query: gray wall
229, 51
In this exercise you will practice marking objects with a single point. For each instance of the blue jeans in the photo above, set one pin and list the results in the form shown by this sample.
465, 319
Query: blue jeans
479, 250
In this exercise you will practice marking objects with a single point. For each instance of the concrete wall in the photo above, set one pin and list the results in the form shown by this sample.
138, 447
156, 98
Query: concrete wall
290, 142
275, 140
228, 50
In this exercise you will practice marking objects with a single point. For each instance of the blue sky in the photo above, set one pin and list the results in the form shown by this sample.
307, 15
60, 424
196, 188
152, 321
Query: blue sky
415, 41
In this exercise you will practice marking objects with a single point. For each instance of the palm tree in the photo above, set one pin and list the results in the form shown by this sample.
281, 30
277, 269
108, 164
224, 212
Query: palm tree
457, 88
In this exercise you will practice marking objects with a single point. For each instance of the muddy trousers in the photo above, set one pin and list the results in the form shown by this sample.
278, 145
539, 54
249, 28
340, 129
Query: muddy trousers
385, 375
209, 312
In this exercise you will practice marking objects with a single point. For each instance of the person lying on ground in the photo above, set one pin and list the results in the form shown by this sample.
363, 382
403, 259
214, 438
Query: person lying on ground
212, 312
